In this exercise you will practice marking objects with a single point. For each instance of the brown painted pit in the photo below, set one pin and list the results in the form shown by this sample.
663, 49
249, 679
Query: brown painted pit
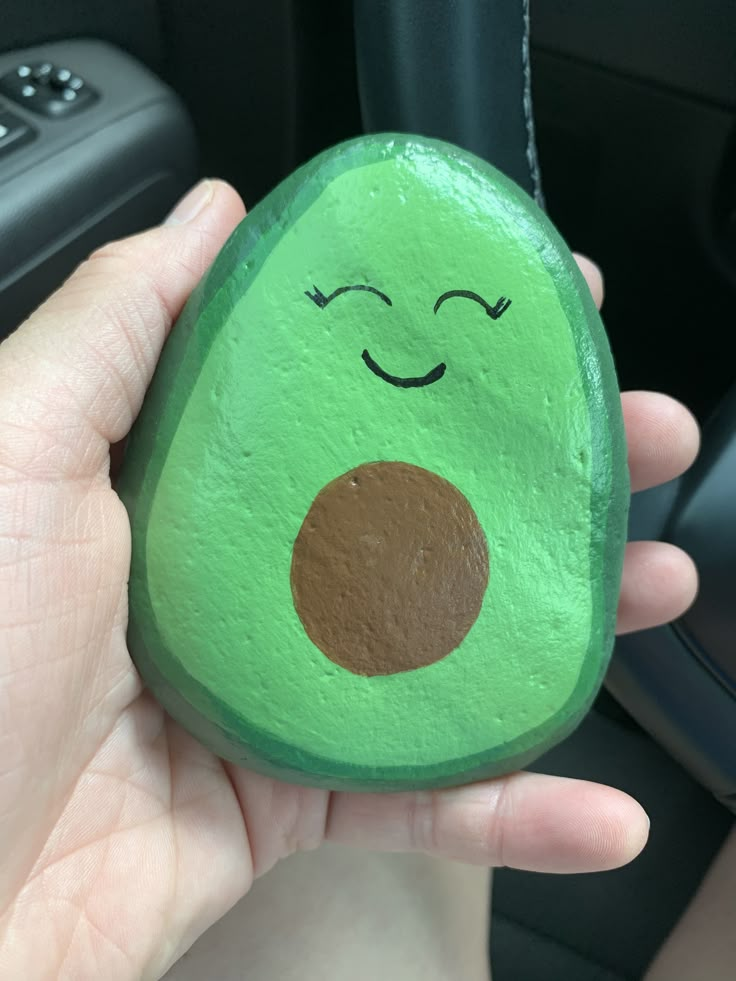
389, 569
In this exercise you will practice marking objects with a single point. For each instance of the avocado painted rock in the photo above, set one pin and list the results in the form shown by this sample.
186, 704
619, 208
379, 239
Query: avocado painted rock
378, 490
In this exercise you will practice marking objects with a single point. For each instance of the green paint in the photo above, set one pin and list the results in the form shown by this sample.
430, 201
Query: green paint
262, 398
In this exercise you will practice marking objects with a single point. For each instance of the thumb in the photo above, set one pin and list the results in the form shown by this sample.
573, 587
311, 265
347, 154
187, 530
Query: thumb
73, 376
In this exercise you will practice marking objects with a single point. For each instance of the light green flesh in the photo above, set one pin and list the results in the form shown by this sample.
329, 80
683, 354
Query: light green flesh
284, 404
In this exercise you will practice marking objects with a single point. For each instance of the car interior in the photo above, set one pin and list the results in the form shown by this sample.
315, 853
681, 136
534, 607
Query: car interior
109, 111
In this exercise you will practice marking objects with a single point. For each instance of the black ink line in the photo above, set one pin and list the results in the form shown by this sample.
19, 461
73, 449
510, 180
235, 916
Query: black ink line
432, 376
494, 312
321, 300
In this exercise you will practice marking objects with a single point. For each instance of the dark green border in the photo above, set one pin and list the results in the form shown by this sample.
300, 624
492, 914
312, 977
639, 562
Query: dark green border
238, 263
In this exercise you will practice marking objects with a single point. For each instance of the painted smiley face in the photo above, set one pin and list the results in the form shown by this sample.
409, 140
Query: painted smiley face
434, 374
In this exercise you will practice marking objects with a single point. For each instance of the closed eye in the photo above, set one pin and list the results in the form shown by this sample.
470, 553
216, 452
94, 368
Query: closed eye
494, 312
321, 300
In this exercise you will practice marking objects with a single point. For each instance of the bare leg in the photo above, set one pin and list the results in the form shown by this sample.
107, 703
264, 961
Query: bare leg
338, 913
703, 944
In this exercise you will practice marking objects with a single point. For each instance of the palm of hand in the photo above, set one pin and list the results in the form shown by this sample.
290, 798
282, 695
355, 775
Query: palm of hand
123, 838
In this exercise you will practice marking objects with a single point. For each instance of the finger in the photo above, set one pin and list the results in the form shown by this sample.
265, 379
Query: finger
526, 821
76, 372
659, 583
593, 277
663, 438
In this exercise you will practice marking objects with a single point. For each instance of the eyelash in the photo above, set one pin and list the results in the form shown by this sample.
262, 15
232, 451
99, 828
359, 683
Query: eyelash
494, 312
321, 300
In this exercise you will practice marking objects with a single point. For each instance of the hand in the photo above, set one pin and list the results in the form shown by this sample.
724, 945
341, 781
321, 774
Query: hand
123, 839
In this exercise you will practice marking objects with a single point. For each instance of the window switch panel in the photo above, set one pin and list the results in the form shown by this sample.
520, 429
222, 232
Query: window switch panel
47, 89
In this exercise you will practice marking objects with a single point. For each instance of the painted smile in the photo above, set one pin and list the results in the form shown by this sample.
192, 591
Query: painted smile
429, 379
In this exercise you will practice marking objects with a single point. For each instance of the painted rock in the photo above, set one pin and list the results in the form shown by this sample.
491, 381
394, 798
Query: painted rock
378, 490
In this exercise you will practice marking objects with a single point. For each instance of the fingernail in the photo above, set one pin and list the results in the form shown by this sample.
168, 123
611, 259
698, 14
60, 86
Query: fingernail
192, 204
